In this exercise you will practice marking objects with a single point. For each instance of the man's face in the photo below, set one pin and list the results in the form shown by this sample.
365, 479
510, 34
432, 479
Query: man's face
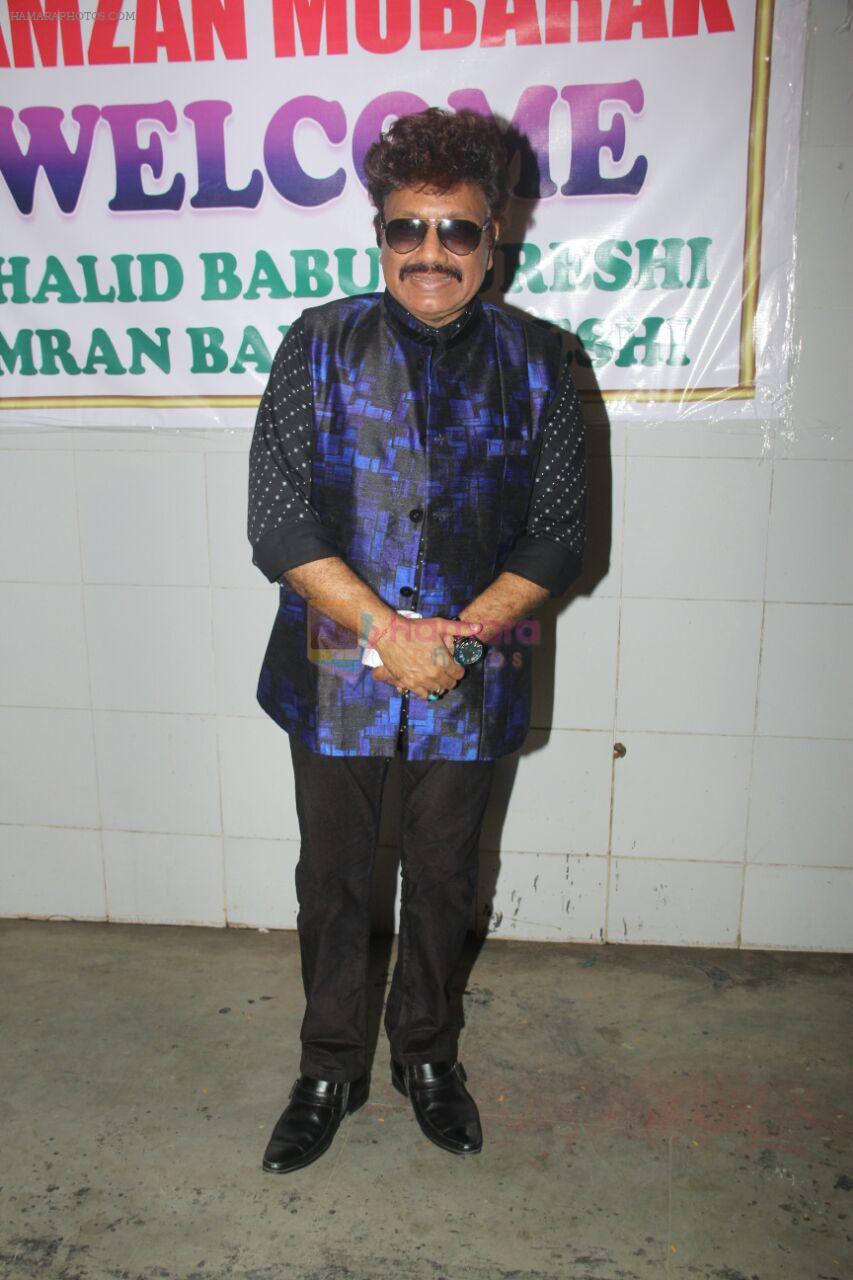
431, 282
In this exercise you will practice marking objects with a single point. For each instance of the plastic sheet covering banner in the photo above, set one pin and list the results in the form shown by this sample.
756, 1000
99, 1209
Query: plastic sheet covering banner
180, 179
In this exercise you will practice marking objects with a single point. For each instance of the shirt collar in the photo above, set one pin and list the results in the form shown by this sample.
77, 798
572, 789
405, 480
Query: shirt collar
440, 335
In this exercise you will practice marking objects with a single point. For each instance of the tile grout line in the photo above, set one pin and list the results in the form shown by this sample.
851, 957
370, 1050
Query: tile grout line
223, 876
756, 705
605, 929
91, 706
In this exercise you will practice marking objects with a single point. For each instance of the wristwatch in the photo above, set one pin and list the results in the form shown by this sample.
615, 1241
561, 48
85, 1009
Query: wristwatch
468, 650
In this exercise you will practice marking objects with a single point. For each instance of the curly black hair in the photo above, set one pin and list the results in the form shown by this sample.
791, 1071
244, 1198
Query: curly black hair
439, 148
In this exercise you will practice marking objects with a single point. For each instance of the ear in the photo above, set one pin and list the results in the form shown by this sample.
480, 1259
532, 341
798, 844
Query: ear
494, 232
377, 227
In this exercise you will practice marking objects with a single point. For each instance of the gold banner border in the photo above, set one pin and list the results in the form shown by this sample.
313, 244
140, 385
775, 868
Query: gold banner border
745, 389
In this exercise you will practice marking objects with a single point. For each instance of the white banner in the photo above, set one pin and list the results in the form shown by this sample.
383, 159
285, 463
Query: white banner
179, 179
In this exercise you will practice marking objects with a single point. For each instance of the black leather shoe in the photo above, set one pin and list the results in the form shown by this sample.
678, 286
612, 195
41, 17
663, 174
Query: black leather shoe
310, 1120
442, 1105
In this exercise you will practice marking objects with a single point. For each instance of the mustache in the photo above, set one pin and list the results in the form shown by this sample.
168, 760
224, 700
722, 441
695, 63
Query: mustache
431, 269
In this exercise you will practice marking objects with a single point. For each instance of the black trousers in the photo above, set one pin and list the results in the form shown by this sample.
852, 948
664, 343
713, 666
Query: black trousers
338, 802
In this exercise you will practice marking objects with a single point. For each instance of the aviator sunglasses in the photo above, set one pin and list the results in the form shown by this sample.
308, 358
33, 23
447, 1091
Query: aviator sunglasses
460, 236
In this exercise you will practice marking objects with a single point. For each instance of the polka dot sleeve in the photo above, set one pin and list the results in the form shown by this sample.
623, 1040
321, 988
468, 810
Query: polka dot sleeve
283, 527
551, 549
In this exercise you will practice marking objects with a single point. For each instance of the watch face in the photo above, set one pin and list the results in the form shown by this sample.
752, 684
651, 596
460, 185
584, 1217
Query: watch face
468, 650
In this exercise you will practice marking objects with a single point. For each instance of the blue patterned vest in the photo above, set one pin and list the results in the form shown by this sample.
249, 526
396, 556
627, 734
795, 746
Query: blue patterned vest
424, 456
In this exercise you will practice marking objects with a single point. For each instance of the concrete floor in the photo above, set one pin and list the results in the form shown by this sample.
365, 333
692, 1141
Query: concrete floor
648, 1113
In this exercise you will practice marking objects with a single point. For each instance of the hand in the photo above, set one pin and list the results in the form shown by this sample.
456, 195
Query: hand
417, 654
383, 675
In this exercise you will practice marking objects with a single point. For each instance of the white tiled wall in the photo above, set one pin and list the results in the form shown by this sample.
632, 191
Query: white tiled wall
711, 637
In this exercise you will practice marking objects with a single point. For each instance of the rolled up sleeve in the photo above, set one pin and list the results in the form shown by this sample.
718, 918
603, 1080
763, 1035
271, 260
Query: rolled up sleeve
551, 548
283, 527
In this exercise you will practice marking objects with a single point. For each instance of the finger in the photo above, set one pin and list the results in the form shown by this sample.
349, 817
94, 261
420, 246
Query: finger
448, 641
456, 627
443, 657
447, 670
435, 686
453, 629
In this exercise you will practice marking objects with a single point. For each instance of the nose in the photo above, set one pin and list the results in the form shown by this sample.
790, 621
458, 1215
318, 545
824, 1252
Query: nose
432, 249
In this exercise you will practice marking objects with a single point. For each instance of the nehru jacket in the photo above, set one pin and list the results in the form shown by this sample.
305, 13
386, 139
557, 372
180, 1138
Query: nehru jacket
430, 459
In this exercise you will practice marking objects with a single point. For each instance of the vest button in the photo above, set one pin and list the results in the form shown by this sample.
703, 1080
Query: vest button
406, 591
416, 514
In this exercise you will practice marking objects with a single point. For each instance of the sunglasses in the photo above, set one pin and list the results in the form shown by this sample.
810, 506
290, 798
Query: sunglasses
460, 236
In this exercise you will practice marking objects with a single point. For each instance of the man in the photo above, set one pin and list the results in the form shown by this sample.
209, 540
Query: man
416, 452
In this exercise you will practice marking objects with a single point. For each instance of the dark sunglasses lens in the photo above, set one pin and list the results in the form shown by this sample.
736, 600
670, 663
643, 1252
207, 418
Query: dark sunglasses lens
459, 236
405, 234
